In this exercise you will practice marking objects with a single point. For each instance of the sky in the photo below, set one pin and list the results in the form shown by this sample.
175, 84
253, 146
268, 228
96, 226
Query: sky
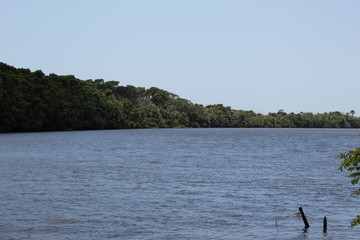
260, 55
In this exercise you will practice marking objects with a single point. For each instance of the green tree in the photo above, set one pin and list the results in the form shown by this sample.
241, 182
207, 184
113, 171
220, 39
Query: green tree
33, 101
351, 163
352, 112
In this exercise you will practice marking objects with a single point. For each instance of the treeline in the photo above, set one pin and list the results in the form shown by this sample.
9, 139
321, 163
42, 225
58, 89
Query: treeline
33, 101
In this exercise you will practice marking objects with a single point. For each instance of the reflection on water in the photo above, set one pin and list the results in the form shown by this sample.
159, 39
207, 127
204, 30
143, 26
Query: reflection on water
176, 184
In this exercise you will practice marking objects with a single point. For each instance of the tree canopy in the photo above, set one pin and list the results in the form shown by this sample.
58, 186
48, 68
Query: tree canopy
351, 163
33, 101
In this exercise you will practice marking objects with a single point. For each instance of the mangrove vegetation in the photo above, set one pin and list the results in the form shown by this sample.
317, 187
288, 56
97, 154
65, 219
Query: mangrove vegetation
33, 101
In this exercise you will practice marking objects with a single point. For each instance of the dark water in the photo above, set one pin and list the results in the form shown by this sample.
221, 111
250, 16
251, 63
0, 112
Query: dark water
176, 184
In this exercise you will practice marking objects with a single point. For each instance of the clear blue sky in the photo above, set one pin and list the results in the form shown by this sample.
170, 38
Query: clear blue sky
298, 55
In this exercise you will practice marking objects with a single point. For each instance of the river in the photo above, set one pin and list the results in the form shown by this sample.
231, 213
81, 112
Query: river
176, 184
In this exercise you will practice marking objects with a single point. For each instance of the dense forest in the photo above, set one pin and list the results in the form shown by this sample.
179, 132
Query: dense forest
33, 101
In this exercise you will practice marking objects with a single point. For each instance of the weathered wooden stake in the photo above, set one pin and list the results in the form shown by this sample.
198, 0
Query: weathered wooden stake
325, 225
304, 218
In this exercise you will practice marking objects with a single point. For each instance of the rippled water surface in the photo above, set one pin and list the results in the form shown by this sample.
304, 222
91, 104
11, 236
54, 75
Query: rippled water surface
176, 184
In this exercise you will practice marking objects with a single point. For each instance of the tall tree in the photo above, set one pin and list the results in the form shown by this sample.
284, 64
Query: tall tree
352, 112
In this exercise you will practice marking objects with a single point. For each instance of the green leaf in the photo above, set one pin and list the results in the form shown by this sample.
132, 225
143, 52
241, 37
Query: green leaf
355, 222
350, 163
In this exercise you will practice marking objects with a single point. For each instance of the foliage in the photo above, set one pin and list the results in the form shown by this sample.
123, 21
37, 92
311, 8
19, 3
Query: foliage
355, 222
33, 101
351, 163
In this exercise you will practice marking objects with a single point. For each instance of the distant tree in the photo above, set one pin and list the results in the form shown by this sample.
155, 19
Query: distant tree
33, 101
352, 112
281, 112
39, 74
351, 163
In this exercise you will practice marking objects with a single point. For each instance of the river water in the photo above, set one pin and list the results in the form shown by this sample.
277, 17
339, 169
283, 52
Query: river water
176, 184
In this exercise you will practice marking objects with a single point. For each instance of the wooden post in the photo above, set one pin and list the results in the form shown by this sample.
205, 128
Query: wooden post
304, 218
325, 225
